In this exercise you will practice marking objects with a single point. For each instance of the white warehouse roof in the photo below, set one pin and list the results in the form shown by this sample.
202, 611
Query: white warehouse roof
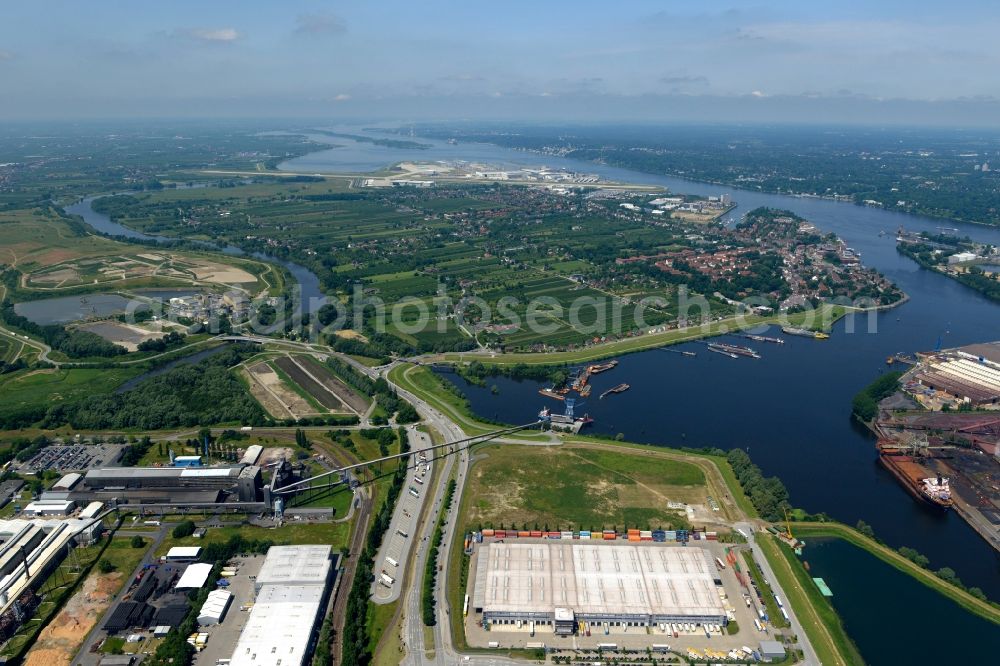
194, 576
92, 510
183, 552
214, 608
280, 624
597, 580
295, 565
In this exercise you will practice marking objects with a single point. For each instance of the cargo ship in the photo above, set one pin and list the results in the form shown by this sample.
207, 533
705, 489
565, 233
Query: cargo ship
733, 349
621, 388
932, 490
763, 338
601, 367
719, 350
804, 332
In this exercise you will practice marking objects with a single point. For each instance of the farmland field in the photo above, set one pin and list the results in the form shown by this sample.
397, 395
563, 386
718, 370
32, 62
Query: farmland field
410, 253
576, 486
302, 378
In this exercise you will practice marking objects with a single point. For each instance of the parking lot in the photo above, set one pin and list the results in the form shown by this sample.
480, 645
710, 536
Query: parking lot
72, 458
222, 637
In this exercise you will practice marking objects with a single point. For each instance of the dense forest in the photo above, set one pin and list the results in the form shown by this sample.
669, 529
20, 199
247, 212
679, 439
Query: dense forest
204, 393
768, 495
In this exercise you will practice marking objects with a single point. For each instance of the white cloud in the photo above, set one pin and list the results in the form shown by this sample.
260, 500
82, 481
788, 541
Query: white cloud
215, 35
758, 93
342, 97
6, 55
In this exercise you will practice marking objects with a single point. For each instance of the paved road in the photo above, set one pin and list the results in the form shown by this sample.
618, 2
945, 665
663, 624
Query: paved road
84, 657
810, 656
405, 520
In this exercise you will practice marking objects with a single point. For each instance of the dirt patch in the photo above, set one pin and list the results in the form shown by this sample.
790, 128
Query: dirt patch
60, 640
349, 334
270, 404
282, 393
222, 274
273, 455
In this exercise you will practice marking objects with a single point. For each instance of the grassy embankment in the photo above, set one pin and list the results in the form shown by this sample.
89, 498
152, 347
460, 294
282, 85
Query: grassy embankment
820, 621
822, 318
984, 609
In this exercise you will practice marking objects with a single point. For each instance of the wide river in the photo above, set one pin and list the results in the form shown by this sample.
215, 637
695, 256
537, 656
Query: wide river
790, 409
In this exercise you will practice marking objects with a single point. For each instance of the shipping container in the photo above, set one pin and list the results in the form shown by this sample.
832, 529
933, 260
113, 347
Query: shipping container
610, 536
584, 534
634, 537
535, 533
566, 534
523, 534
488, 533
555, 535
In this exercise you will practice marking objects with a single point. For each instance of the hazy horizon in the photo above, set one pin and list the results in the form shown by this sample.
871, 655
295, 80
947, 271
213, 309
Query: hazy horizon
907, 63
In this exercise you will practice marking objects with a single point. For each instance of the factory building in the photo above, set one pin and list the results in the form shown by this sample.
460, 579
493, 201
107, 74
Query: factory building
292, 592
560, 585
167, 485
971, 374
187, 461
49, 507
29, 551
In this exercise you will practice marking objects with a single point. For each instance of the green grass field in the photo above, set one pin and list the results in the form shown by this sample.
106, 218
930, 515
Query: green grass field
577, 487
333, 534
49, 387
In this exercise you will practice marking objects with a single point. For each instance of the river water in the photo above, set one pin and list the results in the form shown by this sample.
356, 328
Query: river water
306, 279
790, 409
892, 619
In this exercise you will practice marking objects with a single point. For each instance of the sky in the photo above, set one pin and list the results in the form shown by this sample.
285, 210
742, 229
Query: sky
884, 61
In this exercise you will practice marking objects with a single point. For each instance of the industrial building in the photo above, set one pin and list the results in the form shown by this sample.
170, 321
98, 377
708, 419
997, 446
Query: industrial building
295, 565
971, 374
214, 608
183, 554
187, 461
292, 591
166, 485
43, 508
194, 577
560, 585
29, 551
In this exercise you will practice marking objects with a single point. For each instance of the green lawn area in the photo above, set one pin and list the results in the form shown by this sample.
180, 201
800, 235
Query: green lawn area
572, 487
293, 532
828, 314
49, 387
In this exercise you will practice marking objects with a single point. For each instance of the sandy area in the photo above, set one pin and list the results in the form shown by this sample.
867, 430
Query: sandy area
222, 274
59, 641
279, 392
350, 334
271, 455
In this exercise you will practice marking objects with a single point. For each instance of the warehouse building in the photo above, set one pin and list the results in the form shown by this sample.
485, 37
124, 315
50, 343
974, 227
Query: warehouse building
214, 608
42, 508
194, 577
971, 374
292, 591
560, 585
295, 565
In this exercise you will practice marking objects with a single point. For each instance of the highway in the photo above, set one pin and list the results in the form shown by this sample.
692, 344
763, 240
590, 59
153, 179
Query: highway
405, 520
